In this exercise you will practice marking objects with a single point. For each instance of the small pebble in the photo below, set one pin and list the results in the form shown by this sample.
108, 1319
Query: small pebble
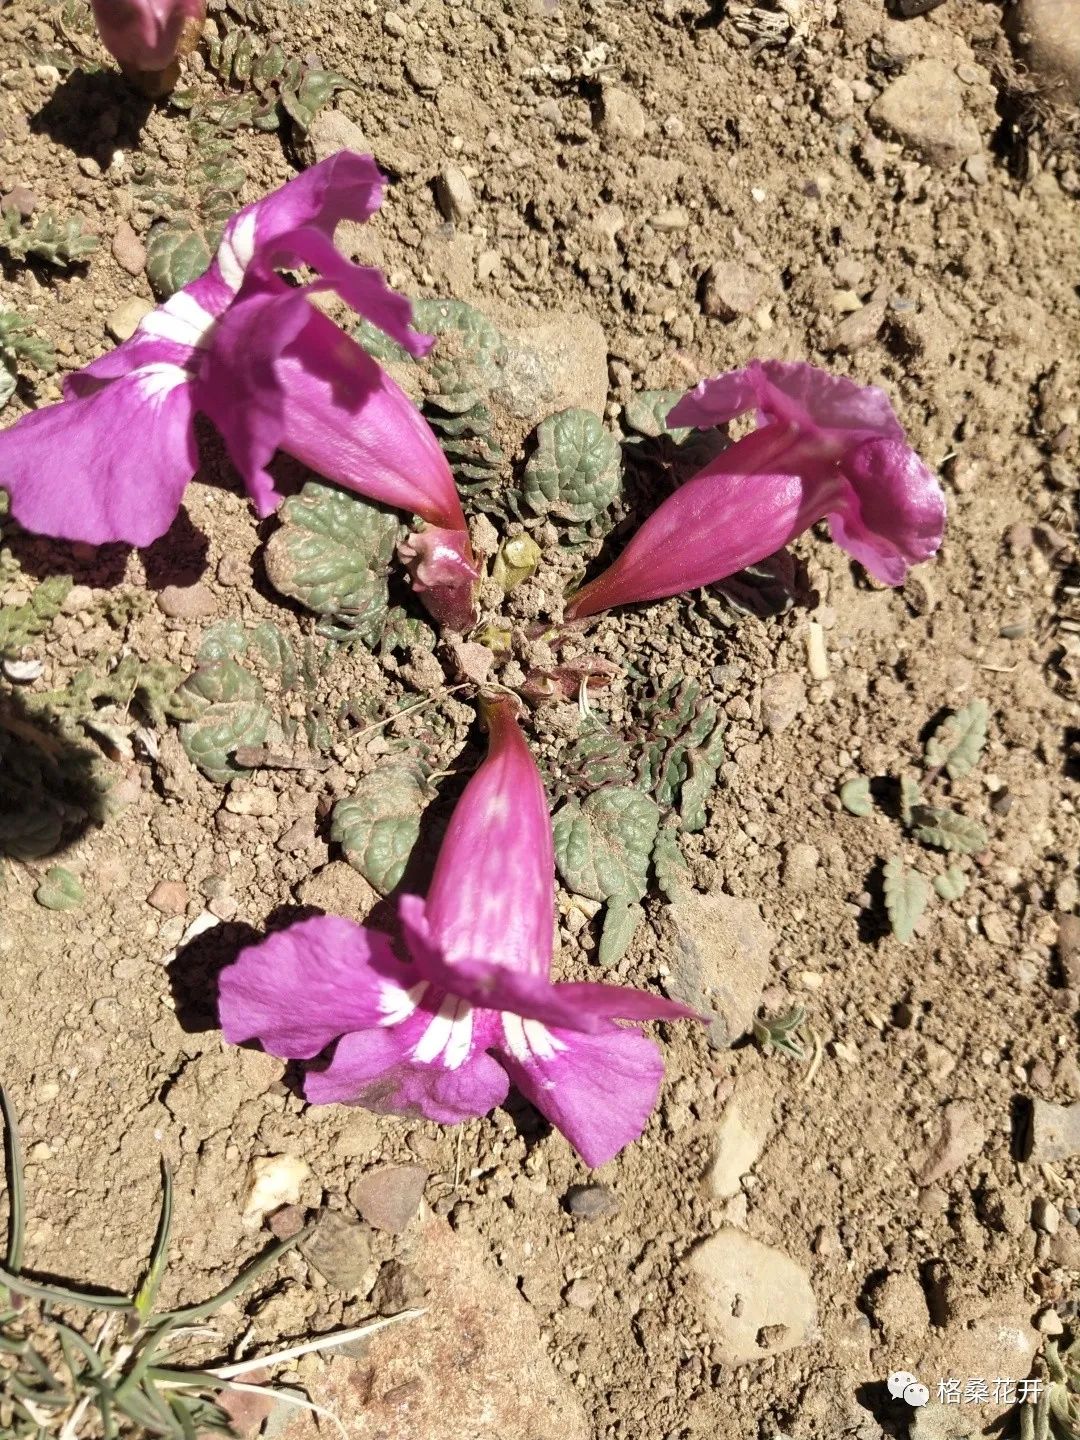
1045, 1215
582, 1294
454, 194
128, 250
591, 1202
124, 320
169, 896
186, 602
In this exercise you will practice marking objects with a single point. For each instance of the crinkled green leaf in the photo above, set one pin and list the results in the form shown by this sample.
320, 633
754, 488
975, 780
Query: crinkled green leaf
575, 472
602, 846
29, 830
20, 623
764, 590
646, 414
225, 640
176, 254
855, 796
669, 863
379, 824
230, 710
906, 894
60, 890
331, 554
948, 830
59, 242
952, 884
957, 743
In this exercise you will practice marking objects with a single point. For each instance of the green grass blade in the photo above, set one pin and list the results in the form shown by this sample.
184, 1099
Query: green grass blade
60, 1295
242, 1281
16, 1207
69, 1339
147, 1292
187, 1425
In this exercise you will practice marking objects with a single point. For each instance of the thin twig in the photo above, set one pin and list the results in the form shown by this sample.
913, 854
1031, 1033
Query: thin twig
819, 1051
321, 1342
408, 710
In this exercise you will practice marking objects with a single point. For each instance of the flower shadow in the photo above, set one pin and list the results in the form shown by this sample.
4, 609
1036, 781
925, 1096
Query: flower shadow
73, 114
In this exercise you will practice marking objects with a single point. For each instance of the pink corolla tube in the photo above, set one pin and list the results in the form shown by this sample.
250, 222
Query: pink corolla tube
444, 1032
149, 37
111, 461
825, 449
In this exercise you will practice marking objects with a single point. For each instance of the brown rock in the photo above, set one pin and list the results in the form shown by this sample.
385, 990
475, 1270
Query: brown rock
340, 1251
961, 1136
338, 889
398, 1288
783, 698
591, 1202
730, 289
128, 250
473, 1365
169, 896
1054, 1131
858, 328
924, 109
389, 1196
454, 194
621, 115
186, 602
721, 959
1068, 942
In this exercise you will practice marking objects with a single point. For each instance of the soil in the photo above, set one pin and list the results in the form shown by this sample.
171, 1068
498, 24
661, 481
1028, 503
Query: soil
614, 154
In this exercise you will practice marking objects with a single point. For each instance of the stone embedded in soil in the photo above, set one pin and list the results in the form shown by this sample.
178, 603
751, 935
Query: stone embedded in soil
1054, 1131
398, 1288
20, 200
858, 328
454, 194
474, 1365
721, 948
273, 1181
801, 862
898, 1305
582, 1293
960, 1136
283, 1224
124, 319
731, 289
740, 1137
783, 698
169, 896
340, 1251
388, 1196
1068, 944
621, 115
755, 1301
591, 1202
186, 602
128, 250
330, 132
924, 109
1047, 35
338, 889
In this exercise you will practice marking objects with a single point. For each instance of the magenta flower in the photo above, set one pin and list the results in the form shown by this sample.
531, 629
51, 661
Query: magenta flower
473, 1009
111, 460
147, 36
825, 449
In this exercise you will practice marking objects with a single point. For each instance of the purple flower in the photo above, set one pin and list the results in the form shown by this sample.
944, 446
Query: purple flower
825, 449
473, 1009
111, 461
147, 36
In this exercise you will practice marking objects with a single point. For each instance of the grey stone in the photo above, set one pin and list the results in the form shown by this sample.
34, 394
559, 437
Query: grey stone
398, 1288
731, 289
721, 959
621, 115
389, 1196
340, 1251
124, 320
454, 194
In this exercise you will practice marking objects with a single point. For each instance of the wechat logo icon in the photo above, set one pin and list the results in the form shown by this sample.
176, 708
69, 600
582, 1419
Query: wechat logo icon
904, 1386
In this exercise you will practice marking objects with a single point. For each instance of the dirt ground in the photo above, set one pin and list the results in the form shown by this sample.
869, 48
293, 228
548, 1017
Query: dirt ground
612, 154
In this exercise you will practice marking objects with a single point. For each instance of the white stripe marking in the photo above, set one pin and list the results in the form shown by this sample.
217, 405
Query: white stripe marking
181, 319
528, 1040
237, 251
450, 1031
397, 1004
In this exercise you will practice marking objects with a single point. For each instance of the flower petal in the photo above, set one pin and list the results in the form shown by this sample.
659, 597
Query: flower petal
443, 573
790, 392
109, 465
896, 517
302, 987
598, 1090
490, 908
279, 375
149, 34
432, 1064
746, 504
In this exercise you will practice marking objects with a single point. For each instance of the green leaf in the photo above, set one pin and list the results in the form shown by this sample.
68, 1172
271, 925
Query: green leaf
60, 890
621, 920
331, 554
176, 254
515, 560
855, 796
948, 830
906, 894
8, 380
230, 710
61, 243
379, 824
575, 473
669, 864
957, 743
952, 884
20, 623
646, 414
603, 846
910, 797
